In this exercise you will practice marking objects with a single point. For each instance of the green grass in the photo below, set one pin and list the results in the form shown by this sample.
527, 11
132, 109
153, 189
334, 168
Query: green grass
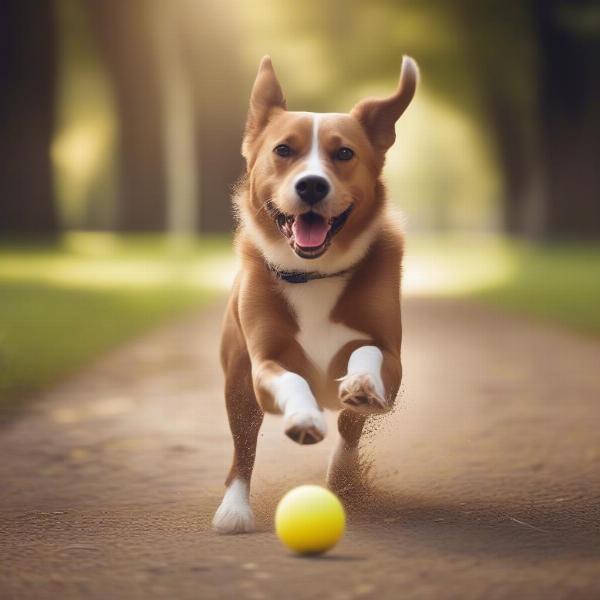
558, 282
64, 303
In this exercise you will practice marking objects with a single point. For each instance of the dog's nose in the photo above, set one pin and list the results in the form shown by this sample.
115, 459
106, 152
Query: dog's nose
312, 189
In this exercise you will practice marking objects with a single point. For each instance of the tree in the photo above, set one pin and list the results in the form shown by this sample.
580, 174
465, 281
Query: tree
535, 64
569, 114
27, 108
126, 35
212, 56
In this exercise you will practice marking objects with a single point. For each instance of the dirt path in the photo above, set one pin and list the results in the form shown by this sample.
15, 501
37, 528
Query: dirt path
487, 476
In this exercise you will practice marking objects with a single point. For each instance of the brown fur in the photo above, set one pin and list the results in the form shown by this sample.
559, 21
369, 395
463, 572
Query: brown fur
260, 330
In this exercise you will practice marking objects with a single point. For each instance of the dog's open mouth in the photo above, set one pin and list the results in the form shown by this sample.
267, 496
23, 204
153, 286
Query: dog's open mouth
309, 234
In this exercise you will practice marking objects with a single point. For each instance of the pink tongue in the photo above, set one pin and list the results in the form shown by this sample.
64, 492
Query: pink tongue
310, 230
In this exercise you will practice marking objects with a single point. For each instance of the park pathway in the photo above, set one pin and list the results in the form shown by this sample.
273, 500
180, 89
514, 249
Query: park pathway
486, 478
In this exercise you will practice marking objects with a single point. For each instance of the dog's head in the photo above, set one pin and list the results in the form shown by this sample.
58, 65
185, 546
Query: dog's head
313, 178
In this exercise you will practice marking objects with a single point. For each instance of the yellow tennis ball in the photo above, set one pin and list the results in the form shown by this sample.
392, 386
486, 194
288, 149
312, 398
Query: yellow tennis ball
310, 519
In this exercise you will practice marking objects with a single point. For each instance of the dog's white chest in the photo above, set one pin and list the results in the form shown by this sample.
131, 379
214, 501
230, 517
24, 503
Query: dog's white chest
312, 303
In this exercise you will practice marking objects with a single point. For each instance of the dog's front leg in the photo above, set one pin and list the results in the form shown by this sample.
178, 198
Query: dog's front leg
234, 514
371, 381
281, 391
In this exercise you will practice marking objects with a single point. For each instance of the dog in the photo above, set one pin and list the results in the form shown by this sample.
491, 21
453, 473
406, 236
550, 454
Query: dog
313, 319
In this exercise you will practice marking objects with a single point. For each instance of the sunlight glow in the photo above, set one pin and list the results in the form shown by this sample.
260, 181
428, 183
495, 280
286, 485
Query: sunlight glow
78, 151
100, 260
455, 265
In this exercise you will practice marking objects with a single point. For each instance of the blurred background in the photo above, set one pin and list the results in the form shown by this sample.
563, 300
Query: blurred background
121, 125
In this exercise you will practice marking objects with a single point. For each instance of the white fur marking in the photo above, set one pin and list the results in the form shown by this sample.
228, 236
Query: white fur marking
293, 397
314, 160
314, 165
312, 302
292, 394
368, 360
234, 515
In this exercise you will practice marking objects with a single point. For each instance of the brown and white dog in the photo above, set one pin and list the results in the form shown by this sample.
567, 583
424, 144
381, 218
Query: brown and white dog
314, 316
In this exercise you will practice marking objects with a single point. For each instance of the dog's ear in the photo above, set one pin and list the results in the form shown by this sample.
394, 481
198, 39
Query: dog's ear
266, 98
378, 116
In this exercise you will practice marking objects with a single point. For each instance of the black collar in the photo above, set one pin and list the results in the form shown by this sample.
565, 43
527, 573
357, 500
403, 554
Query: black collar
303, 276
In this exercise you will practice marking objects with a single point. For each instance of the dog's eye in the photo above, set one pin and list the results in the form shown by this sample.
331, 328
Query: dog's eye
283, 150
344, 154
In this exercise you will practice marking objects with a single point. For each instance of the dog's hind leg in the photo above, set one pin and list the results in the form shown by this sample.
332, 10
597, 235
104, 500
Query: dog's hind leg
234, 515
343, 473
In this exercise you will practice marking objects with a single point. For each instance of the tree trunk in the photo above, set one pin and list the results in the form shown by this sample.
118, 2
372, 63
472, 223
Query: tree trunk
497, 43
515, 162
569, 101
220, 99
125, 30
27, 110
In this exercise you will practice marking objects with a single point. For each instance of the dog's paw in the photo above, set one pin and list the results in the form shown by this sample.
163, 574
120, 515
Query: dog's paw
305, 427
233, 518
234, 515
358, 392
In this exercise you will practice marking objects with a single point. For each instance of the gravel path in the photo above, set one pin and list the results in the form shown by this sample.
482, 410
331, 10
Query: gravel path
485, 480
